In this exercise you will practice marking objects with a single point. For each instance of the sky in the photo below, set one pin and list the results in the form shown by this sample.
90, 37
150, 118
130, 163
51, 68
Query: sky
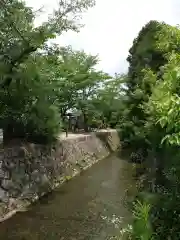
111, 26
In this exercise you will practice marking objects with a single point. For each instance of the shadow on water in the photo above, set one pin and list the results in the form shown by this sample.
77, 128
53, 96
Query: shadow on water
91, 206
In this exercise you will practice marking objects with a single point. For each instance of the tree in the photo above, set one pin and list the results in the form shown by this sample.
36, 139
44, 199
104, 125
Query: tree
19, 38
78, 82
108, 101
157, 115
149, 51
20, 44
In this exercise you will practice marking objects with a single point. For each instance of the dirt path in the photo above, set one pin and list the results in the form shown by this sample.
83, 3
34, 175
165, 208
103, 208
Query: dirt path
71, 135
77, 135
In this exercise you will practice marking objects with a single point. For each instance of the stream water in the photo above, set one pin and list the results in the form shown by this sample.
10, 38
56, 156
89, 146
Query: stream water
91, 206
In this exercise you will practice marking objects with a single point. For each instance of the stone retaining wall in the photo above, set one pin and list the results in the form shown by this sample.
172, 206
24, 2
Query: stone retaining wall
29, 171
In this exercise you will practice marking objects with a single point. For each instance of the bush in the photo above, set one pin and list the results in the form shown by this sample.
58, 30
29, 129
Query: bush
43, 125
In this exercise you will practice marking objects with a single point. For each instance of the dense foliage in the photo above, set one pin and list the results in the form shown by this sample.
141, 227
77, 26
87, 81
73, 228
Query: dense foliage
145, 54
152, 122
37, 80
41, 82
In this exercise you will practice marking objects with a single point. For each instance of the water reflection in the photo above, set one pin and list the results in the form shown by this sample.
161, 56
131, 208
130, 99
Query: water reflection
90, 206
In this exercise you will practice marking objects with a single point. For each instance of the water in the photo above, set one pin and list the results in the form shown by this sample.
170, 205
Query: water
89, 207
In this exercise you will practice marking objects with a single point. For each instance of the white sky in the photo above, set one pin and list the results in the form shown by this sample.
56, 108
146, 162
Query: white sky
111, 26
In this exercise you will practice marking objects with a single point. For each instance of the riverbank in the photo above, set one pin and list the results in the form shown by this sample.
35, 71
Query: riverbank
30, 171
94, 205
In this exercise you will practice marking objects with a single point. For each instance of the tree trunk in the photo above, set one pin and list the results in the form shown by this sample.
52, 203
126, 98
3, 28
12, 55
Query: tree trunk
7, 134
86, 128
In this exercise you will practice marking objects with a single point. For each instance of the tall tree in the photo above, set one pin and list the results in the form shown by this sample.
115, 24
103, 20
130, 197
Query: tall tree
77, 80
149, 51
23, 60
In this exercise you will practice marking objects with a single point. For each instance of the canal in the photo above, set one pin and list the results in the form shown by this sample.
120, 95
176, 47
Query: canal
91, 206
